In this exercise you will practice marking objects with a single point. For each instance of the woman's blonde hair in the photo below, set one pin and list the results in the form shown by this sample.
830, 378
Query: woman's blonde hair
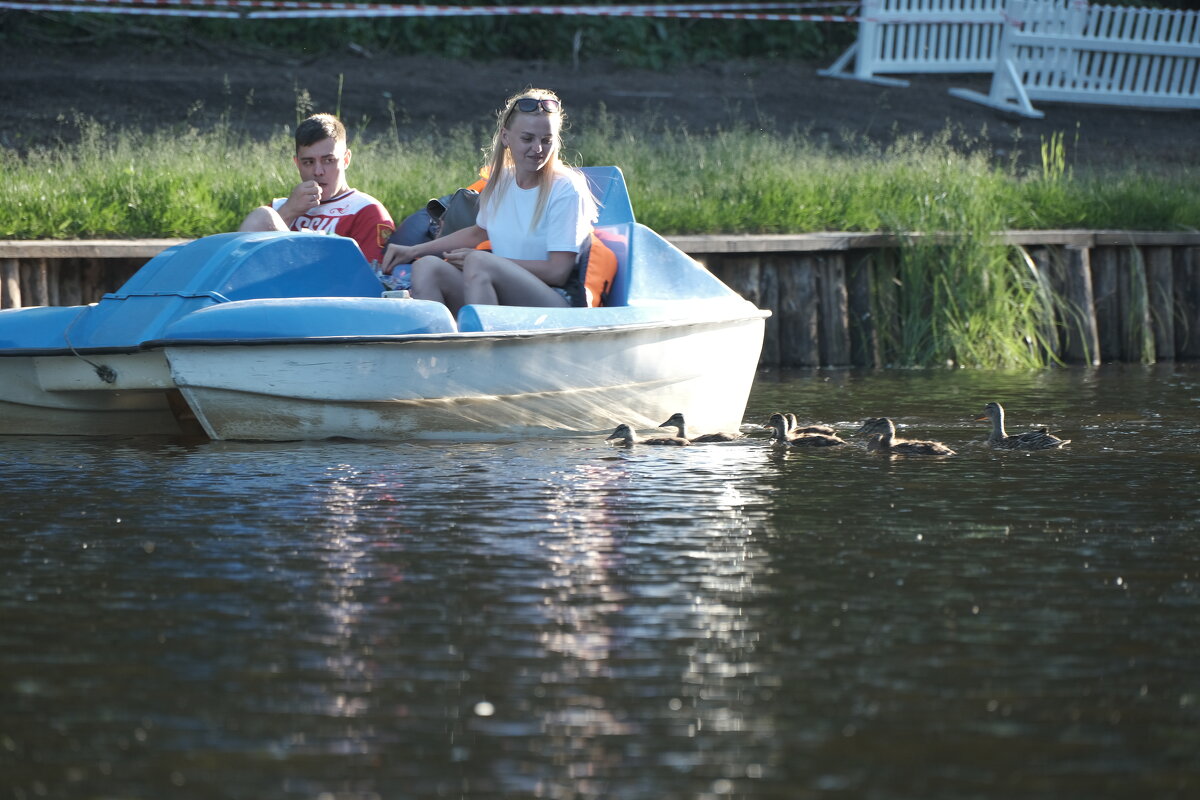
500, 164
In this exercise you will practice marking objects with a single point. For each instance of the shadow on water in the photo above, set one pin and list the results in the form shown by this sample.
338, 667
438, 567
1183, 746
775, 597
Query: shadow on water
560, 618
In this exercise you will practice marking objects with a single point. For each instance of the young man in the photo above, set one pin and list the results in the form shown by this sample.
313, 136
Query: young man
323, 200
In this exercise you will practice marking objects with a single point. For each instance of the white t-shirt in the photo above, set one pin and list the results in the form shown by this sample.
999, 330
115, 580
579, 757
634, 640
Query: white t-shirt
565, 225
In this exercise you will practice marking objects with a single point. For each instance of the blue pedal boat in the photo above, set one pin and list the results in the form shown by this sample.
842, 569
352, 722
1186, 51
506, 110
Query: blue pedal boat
284, 336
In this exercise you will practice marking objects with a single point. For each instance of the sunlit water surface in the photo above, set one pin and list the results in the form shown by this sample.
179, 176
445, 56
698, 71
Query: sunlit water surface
562, 619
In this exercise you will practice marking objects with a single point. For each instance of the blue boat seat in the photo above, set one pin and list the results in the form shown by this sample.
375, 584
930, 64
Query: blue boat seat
613, 226
652, 274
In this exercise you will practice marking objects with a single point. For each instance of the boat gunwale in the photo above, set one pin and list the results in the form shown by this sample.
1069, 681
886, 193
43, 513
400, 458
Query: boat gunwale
744, 315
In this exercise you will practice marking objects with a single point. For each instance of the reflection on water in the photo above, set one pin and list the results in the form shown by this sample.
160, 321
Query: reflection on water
564, 619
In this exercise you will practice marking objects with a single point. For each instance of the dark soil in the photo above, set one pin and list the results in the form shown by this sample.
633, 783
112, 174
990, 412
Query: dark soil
42, 87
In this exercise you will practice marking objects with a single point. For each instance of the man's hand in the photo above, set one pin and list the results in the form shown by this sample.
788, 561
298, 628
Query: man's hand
305, 196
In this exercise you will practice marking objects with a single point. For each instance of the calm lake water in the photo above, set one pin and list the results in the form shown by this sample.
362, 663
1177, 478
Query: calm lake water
562, 619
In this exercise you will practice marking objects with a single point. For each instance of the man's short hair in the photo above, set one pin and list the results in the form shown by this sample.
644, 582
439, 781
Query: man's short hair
319, 127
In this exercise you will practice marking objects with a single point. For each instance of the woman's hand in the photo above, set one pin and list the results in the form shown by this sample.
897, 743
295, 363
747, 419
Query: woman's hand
452, 247
397, 254
457, 257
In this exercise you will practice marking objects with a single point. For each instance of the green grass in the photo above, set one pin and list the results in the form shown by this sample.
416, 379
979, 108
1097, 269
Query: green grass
963, 299
182, 182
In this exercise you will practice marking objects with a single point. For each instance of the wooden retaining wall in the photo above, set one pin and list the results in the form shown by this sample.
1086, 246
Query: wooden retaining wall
1130, 296
69, 273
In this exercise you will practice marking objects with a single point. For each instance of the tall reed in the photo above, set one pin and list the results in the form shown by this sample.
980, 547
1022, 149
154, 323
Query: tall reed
955, 293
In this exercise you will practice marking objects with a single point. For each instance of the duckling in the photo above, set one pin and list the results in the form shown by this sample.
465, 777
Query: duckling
795, 428
781, 436
884, 440
1038, 439
680, 426
624, 435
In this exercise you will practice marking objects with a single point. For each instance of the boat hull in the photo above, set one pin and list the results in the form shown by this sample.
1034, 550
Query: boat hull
471, 385
62, 395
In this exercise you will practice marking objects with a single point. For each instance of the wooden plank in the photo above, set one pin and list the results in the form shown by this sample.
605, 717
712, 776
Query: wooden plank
1160, 278
864, 338
1106, 301
1137, 340
886, 308
1081, 341
779, 243
768, 297
53, 270
835, 314
1047, 262
746, 276
145, 249
69, 281
1187, 302
11, 284
799, 311
843, 242
29, 281
86, 248
41, 287
93, 281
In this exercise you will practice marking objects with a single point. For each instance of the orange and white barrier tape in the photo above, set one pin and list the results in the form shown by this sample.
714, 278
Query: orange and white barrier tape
294, 9
308, 9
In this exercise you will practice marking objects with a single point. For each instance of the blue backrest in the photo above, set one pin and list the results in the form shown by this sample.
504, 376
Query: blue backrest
612, 196
614, 226
651, 269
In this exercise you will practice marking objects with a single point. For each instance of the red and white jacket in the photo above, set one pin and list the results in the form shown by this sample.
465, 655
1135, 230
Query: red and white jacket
354, 214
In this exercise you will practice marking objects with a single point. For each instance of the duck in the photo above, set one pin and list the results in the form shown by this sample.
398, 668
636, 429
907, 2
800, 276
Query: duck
782, 437
623, 435
883, 440
1037, 439
677, 422
795, 428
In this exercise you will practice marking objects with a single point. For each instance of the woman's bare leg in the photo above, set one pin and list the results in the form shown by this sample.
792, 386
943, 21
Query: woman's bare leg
437, 280
492, 280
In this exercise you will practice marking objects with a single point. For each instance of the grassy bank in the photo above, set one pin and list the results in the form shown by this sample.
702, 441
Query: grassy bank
123, 184
972, 303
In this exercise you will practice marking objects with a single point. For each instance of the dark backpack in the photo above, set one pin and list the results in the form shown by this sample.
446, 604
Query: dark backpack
440, 216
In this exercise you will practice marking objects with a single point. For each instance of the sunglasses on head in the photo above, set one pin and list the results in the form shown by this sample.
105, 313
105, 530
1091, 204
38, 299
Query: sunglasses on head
528, 105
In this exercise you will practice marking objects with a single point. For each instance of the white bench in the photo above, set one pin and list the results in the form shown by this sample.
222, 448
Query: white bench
922, 36
1109, 55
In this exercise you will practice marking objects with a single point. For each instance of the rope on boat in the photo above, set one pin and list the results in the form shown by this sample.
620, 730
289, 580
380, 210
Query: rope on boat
103, 371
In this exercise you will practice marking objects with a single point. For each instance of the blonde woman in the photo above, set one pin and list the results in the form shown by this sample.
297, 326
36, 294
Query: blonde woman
536, 212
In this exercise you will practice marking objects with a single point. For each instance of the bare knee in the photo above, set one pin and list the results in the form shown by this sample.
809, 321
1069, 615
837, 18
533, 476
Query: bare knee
429, 269
263, 218
476, 259
475, 268
435, 279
